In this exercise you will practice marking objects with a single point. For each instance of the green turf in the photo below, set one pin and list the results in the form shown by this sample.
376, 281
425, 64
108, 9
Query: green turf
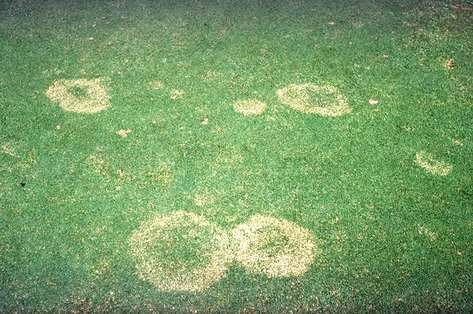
390, 236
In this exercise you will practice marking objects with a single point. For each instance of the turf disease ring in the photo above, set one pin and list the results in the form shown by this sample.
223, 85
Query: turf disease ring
324, 100
274, 247
180, 251
83, 96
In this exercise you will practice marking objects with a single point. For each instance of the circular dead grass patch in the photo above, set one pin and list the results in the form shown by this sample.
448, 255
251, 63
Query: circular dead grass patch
324, 100
274, 247
181, 251
428, 163
249, 107
83, 96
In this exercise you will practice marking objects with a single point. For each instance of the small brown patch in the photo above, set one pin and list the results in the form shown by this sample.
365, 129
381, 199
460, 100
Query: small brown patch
274, 247
82, 96
124, 133
299, 97
177, 94
249, 107
429, 164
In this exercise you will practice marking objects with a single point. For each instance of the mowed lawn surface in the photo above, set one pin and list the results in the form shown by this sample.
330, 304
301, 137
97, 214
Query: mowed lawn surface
388, 234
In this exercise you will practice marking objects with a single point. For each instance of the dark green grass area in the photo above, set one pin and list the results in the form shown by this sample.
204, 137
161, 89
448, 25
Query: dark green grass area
390, 236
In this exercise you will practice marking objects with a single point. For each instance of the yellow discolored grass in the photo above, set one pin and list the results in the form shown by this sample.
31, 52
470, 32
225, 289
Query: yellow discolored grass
274, 247
180, 251
93, 97
249, 107
324, 100
428, 163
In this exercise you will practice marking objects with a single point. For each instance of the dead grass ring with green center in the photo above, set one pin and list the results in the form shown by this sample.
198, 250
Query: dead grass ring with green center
82, 95
181, 251
249, 107
324, 100
274, 247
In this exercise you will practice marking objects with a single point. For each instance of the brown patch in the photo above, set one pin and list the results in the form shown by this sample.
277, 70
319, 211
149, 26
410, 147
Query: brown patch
274, 247
156, 84
161, 176
204, 199
457, 142
429, 164
99, 165
449, 64
7, 149
153, 245
93, 96
459, 7
373, 102
124, 133
177, 94
249, 107
423, 230
204, 121
299, 97
211, 75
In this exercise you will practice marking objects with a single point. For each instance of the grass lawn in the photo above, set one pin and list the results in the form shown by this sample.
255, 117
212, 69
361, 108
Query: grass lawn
217, 172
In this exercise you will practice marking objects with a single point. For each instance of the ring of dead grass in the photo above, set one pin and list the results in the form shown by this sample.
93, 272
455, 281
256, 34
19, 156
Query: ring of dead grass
249, 107
428, 163
181, 251
274, 247
95, 97
324, 100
